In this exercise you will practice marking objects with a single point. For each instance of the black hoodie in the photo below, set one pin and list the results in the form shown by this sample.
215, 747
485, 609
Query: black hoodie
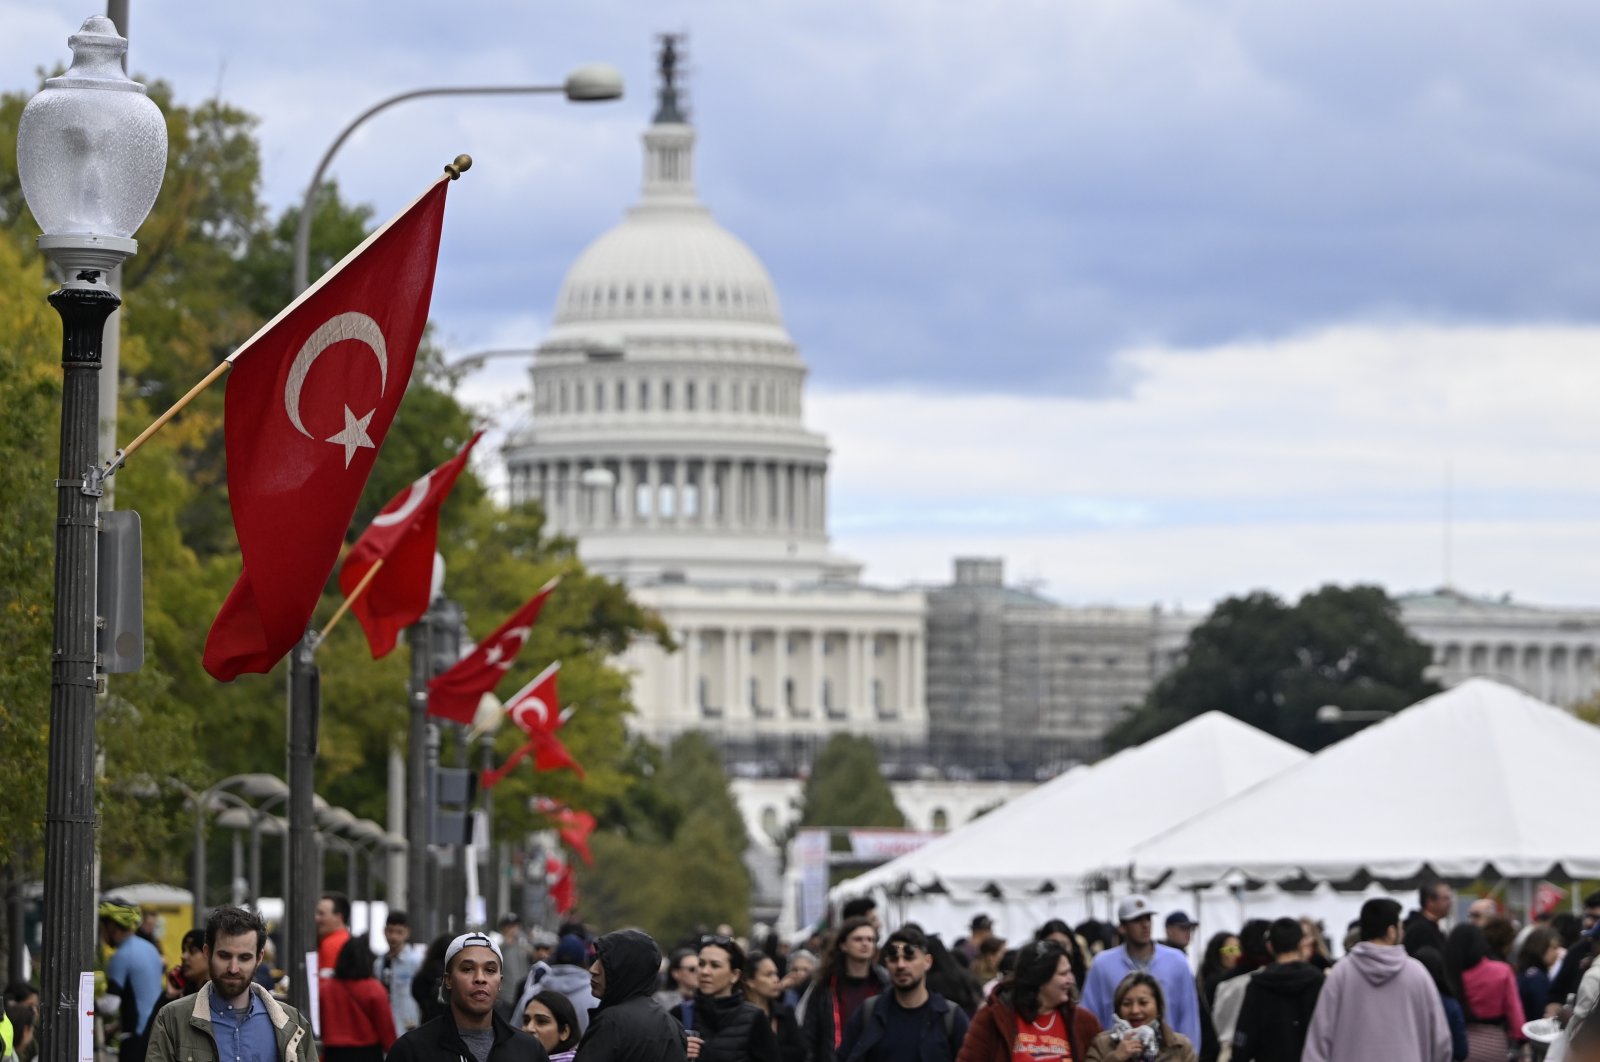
1276, 1013
629, 1025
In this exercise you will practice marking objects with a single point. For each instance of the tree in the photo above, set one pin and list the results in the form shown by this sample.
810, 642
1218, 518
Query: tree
1272, 665
846, 788
669, 853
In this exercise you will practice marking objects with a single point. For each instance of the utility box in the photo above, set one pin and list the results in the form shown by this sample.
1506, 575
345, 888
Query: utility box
119, 593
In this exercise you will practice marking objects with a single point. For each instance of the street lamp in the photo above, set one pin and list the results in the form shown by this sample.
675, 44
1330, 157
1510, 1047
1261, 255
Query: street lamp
594, 83
91, 152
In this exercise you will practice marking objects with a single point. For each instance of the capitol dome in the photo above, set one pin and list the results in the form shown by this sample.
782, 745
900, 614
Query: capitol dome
668, 429
668, 260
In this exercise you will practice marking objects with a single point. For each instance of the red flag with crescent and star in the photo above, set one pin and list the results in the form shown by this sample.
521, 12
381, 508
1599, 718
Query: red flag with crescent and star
563, 889
310, 399
455, 694
403, 536
535, 709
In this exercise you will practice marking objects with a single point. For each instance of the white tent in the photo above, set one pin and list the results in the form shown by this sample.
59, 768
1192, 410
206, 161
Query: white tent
1040, 855
1480, 780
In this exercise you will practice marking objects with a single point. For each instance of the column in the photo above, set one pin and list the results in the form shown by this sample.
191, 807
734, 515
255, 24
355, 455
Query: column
785, 506
679, 480
652, 478
691, 685
735, 494
919, 665
822, 500
780, 670
902, 693
759, 517
708, 491
629, 491
730, 673
741, 674
852, 674
812, 696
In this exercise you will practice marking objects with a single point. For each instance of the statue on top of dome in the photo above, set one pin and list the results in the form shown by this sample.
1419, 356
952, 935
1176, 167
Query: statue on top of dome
670, 109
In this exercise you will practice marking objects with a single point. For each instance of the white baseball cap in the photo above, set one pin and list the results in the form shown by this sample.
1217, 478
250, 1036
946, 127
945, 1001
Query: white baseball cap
471, 940
1134, 906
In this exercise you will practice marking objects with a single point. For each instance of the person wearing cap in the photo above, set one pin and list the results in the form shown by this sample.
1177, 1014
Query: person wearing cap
232, 1017
629, 1025
1180, 931
1139, 953
470, 1030
134, 973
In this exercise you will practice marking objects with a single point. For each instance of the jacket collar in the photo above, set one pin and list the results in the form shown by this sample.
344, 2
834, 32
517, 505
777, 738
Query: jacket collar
202, 1006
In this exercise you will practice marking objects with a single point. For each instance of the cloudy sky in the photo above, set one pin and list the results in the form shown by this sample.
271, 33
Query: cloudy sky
1158, 300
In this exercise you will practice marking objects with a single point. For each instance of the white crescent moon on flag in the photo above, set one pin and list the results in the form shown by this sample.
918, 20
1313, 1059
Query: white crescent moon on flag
419, 491
531, 704
342, 326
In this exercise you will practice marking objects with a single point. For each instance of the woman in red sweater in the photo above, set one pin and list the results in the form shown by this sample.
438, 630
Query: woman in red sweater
1488, 994
357, 1023
1033, 1015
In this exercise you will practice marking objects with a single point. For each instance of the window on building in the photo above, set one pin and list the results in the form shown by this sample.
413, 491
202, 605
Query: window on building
711, 397
877, 694
599, 397
622, 396
788, 693
827, 694
941, 819
755, 692
563, 396
688, 397
644, 395
769, 822
702, 688
666, 396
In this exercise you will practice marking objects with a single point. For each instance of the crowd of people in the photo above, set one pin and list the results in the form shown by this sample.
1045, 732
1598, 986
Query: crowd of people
1419, 988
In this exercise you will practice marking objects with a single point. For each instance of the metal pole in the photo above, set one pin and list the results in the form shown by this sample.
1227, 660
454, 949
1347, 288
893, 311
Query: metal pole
492, 872
255, 859
69, 818
419, 821
200, 858
237, 869
305, 691
430, 810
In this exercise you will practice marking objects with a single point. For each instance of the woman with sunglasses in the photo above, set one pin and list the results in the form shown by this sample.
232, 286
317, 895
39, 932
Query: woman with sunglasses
764, 988
1034, 1012
551, 1017
1220, 963
720, 1025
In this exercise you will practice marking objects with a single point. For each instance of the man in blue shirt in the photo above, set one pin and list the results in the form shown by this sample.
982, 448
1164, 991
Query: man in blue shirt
1140, 952
231, 1018
134, 972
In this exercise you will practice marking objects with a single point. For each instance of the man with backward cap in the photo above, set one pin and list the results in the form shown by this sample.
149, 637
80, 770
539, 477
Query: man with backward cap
470, 1030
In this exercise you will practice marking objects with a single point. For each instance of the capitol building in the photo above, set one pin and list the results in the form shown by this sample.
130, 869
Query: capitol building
669, 440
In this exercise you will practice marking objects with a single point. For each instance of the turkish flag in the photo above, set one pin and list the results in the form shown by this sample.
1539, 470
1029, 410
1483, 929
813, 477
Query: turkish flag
309, 402
574, 827
535, 708
403, 536
455, 694
563, 889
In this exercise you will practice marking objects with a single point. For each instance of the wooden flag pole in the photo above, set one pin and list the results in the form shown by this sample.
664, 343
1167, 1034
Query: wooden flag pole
355, 592
160, 422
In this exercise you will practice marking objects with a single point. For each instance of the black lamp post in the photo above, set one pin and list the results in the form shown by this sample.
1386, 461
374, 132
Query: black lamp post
91, 152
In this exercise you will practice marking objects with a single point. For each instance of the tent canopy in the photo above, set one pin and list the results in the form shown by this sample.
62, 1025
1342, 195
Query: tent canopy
1478, 780
1055, 837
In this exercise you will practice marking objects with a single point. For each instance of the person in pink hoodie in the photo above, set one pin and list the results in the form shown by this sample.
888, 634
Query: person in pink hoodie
1378, 1002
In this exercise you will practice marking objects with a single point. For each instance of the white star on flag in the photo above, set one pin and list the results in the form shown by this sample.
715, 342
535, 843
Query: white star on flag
354, 436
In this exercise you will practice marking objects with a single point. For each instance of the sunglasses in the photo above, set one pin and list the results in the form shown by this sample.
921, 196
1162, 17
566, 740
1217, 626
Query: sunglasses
901, 952
718, 941
1230, 949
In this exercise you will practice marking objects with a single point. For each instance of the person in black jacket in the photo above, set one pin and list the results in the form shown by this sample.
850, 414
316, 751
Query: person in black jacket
846, 978
470, 1030
721, 1026
1278, 1001
628, 1025
425, 984
764, 987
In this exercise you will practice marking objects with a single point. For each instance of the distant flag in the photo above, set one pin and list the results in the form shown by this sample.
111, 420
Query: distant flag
402, 538
533, 709
455, 694
563, 889
573, 827
310, 401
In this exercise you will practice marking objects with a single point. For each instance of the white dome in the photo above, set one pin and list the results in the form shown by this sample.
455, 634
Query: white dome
668, 262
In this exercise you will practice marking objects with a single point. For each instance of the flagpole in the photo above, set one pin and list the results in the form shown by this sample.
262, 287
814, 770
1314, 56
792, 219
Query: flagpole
355, 592
452, 172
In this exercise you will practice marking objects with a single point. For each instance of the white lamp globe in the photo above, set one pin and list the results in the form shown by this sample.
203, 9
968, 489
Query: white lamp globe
92, 147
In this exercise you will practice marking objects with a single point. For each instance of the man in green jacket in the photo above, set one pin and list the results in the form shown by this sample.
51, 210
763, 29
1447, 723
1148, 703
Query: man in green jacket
232, 1017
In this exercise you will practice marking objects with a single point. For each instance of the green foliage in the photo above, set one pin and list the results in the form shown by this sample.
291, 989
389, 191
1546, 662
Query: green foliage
1272, 665
846, 788
211, 268
668, 856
